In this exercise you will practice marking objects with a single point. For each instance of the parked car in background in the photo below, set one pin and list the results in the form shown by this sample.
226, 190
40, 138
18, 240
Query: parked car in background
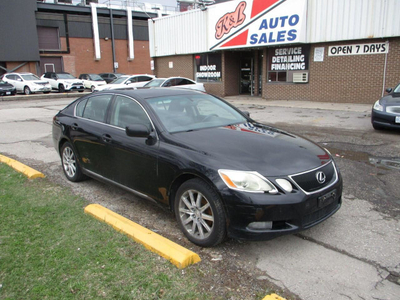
386, 111
63, 82
27, 83
108, 77
221, 172
91, 81
127, 81
7, 88
180, 82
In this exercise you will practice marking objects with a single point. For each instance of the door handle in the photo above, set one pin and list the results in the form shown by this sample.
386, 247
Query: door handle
74, 126
107, 138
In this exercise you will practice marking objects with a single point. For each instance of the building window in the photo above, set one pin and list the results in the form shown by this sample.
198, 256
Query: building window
208, 67
49, 38
284, 62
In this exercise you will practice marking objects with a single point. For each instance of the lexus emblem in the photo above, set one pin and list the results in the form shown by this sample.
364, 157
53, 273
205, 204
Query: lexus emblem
321, 177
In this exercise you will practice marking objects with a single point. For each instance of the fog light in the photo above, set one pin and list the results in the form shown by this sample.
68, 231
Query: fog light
260, 225
285, 184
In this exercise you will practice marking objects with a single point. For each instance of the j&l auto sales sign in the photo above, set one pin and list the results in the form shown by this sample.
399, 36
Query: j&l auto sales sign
257, 23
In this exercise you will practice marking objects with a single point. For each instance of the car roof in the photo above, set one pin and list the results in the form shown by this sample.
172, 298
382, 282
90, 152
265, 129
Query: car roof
148, 93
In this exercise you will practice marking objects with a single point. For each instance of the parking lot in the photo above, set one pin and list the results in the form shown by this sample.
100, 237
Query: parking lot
353, 255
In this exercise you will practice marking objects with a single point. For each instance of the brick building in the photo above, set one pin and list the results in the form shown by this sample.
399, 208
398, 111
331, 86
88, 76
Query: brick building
75, 37
318, 50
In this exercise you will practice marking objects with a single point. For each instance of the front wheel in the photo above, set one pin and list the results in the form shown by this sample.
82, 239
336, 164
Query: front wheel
70, 164
200, 213
27, 90
92, 88
61, 88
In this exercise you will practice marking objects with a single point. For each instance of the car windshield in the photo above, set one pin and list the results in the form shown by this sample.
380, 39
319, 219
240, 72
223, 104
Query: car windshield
154, 83
65, 76
397, 89
95, 77
119, 80
194, 112
30, 77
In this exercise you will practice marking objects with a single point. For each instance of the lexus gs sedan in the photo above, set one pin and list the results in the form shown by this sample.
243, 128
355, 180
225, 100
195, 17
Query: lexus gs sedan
222, 173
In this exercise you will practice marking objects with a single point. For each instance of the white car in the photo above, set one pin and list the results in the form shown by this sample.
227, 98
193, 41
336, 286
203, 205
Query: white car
27, 83
127, 81
92, 81
63, 82
179, 82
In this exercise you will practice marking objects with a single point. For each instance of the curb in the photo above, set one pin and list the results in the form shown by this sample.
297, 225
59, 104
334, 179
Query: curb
20, 167
273, 297
176, 254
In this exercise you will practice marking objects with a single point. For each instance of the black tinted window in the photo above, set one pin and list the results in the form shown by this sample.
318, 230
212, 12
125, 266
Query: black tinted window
145, 78
128, 112
80, 107
96, 108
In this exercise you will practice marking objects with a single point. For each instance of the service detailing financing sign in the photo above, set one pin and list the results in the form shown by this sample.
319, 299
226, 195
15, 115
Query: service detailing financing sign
256, 23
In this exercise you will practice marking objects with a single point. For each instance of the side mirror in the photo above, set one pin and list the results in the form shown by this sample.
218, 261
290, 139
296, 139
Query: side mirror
137, 130
246, 113
389, 90
128, 82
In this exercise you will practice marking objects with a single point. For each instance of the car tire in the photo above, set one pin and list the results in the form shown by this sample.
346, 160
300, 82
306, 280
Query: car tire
92, 88
46, 92
61, 88
200, 213
69, 163
27, 90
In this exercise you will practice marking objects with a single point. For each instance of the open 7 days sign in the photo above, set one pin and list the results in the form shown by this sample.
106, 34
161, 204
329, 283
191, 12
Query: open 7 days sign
256, 23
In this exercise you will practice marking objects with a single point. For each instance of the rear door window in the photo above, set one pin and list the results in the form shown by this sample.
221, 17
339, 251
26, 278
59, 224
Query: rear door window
95, 108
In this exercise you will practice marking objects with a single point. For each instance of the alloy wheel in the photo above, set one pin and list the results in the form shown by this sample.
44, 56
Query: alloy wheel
196, 214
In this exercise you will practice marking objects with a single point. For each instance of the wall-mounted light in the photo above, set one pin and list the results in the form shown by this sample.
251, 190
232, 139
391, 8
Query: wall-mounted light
106, 38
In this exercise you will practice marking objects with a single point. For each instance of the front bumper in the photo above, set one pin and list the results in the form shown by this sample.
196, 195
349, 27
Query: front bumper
41, 89
384, 119
75, 88
7, 92
289, 213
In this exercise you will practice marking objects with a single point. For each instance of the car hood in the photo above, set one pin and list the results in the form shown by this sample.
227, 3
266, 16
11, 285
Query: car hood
71, 80
253, 147
391, 99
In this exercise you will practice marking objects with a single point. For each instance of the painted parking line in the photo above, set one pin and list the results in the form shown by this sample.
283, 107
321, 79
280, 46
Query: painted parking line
176, 254
273, 297
20, 167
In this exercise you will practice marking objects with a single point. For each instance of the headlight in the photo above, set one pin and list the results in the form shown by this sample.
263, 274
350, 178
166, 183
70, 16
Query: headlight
377, 106
247, 181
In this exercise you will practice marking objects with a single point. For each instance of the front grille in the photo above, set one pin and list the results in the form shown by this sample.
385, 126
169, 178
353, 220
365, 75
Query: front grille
308, 180
319, 214
41, 83
75, 84
393, 109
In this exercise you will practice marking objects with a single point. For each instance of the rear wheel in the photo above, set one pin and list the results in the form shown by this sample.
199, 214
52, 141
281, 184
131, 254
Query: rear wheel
200, 214
27, 90
70, 164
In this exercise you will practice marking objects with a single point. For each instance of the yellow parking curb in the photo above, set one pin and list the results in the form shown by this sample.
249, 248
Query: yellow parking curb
273, 297
20, 167
176, 254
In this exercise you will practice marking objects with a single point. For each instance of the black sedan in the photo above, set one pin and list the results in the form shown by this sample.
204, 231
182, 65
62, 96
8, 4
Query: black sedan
386, 111
6, 89
222, 173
